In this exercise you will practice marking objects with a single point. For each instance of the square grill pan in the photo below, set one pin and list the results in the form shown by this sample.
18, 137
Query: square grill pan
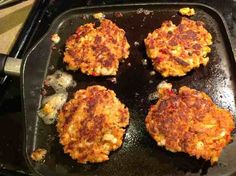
139, 155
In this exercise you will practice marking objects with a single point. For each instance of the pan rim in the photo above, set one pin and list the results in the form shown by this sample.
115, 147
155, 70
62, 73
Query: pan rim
56, 22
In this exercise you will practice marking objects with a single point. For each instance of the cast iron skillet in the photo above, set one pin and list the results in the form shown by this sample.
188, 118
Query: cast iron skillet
139, 154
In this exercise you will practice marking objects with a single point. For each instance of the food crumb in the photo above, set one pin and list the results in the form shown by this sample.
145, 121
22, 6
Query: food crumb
144, 11
129, 64
51, 67
39, 154
55, 38
113, 80
173, 16
153, 96
147, 12
136, 43
99, 16
163, 87
152, 73
144, 61
85, 17
187, 11
139, 11
150, 81
118, 14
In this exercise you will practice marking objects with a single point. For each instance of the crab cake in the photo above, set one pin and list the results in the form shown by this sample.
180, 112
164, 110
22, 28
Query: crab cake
97, 51
175, 50
190, 122
92, 124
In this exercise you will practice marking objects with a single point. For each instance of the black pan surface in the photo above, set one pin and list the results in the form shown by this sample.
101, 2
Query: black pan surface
139, 155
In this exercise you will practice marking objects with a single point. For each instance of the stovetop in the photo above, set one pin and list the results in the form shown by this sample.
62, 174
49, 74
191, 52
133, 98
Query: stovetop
11, 119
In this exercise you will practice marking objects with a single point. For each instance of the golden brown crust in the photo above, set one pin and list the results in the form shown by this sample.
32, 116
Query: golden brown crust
92, 124
39, 154
175, 50
190, 122
187, 11
96, 51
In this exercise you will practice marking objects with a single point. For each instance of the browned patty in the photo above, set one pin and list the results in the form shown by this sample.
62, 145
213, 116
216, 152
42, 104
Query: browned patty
175, 50
97, 51
190, 122
92, 124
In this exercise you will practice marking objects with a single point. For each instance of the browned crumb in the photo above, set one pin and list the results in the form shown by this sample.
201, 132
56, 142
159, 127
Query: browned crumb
99, 15
55, 38
113, 80
39, 154
187, 11
118, 14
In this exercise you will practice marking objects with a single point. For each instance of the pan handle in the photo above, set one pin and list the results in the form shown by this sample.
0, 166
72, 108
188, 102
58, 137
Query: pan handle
9, 66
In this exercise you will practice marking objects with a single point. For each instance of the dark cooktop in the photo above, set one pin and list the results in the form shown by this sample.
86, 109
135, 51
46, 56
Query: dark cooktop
11, 119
